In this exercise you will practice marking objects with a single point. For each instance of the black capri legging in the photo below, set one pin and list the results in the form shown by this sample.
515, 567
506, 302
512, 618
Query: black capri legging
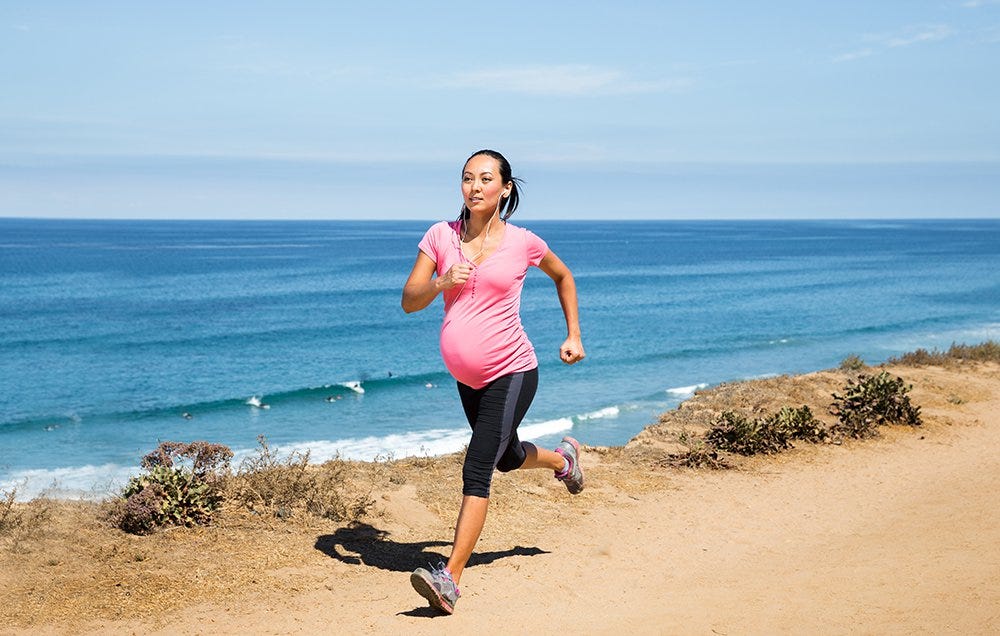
494, 412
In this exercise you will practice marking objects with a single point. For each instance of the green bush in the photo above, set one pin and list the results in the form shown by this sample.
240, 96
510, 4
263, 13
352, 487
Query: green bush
799, 424
181, 487
873, 401
739, 434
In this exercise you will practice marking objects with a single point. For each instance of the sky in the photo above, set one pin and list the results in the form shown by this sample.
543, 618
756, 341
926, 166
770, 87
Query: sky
607, 110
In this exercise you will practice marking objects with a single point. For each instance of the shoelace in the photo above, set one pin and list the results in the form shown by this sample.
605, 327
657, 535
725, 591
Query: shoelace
442, 570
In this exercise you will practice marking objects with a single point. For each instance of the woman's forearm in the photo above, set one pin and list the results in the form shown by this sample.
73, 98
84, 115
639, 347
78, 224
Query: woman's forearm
566, 289
417, 296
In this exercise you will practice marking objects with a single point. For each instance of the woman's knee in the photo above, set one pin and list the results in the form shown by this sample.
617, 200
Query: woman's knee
512, 460
505, 467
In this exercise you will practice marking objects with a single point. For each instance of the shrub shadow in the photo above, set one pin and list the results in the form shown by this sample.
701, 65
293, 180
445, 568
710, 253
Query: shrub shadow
362, 543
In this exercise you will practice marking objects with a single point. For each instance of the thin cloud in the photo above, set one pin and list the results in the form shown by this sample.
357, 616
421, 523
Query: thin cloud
908, 36
918, 35
975, 4
565, 79
854, 55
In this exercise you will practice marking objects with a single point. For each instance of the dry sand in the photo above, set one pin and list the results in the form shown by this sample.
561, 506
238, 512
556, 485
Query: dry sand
896, 535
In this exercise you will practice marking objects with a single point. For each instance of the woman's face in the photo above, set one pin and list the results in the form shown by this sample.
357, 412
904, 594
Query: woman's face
482, 185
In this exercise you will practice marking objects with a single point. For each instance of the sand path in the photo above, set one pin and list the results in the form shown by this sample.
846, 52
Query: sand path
898, 535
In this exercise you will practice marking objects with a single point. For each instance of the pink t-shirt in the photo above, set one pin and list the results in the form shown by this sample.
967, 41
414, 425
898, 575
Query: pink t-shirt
482, 338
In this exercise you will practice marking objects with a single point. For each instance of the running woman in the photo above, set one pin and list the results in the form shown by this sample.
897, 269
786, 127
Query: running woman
478, 263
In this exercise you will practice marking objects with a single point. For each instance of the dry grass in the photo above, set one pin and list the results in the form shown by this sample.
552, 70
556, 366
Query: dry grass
988, 351
20, 521
269, 484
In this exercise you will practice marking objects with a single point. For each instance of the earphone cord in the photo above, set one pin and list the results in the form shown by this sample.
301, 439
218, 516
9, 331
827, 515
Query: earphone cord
482, 248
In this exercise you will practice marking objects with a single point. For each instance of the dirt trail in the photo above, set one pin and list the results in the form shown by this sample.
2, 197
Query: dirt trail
898, 535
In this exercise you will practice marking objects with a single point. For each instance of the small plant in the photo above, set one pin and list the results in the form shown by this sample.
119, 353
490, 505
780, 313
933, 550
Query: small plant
799, 424
698, 454
852, 363
181, 487
873, 401
740, 434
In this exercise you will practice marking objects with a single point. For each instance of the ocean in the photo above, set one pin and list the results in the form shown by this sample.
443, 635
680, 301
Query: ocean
116, 335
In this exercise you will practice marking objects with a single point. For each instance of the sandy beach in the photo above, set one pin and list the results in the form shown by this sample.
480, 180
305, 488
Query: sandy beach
898, 534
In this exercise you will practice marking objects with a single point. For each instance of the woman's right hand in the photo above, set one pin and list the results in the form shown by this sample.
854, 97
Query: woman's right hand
457, 274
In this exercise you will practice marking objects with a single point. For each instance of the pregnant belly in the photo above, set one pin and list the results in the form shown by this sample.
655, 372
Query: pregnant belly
464, 356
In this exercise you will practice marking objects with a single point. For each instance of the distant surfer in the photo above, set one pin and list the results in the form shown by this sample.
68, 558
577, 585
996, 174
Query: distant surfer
256, 402
355, 386
478, 263
186, 415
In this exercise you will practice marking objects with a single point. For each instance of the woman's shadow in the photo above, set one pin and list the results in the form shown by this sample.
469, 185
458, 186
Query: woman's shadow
362, 543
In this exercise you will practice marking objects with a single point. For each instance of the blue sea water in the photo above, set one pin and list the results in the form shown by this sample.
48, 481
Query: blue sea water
110, 331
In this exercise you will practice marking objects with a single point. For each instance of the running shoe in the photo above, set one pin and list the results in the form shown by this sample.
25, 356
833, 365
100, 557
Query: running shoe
437, 587
572, 476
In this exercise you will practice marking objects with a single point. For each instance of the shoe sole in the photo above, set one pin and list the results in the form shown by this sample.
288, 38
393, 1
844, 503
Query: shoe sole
426, 589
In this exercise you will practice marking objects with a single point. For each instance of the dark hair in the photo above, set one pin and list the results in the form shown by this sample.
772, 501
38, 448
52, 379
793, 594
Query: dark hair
508, 205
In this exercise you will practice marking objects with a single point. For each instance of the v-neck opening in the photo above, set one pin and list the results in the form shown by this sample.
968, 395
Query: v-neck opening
461, 248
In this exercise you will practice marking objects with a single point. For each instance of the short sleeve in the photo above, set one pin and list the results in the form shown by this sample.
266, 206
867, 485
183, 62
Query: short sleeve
430, 244
537, 248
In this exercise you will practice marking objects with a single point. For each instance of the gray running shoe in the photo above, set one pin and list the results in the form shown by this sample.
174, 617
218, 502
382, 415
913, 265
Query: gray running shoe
573, 476
437, 587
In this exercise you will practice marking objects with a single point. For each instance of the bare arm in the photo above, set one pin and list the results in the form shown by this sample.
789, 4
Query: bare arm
422, 287
571, 350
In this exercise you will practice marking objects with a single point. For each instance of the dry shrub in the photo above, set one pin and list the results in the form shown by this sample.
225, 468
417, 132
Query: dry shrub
988, 351
20, 521
267, 483
698, 455
851, 363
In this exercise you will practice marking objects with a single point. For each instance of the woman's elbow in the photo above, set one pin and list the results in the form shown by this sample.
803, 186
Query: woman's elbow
411, 304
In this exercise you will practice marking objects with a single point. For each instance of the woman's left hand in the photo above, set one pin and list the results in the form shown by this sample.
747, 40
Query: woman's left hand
571, 351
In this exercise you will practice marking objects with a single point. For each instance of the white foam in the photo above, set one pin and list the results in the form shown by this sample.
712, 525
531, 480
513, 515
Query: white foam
609, 411
686, 391
73, 482
353, 385
427, 443
419, 444
541, 429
